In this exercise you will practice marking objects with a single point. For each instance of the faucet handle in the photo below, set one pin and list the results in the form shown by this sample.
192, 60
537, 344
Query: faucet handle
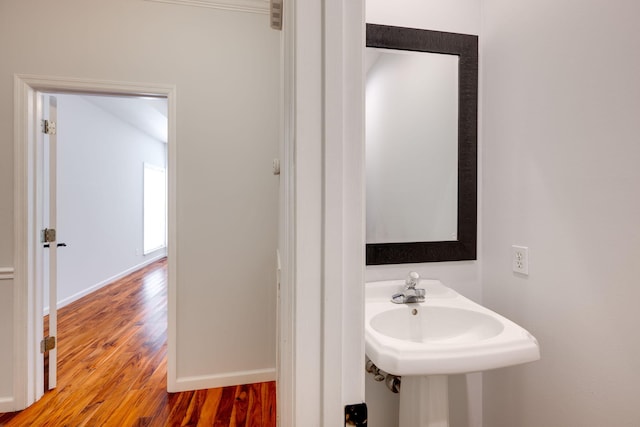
412, 280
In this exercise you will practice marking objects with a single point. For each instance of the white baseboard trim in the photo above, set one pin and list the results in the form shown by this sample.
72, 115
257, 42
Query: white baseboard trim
6, 273
224, 380
7, 404
87, 291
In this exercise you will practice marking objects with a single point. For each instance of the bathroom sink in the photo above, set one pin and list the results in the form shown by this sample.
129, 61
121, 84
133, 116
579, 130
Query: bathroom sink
446, 334
435, 324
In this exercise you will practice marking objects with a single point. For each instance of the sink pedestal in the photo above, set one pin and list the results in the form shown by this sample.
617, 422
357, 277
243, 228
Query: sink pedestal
424, 401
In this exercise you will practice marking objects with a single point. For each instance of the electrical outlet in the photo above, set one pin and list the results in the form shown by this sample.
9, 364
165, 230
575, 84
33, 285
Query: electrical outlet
520, 259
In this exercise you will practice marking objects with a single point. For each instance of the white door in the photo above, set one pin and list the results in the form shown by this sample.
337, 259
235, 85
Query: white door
49, 238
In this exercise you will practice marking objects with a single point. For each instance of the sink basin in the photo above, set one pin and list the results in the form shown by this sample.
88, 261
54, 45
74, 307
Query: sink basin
437, 325
446, 334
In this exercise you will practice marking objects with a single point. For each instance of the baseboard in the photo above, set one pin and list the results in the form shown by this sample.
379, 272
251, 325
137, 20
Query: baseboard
224, 380
87, 291
7, 404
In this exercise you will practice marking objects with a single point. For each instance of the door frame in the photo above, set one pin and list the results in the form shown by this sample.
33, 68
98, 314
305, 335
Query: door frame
28, 370
321, 238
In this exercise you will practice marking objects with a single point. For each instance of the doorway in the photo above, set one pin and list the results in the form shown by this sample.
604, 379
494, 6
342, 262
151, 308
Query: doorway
28, 298
108, 166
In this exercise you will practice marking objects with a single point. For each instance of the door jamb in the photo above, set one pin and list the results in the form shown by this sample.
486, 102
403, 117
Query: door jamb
27, 297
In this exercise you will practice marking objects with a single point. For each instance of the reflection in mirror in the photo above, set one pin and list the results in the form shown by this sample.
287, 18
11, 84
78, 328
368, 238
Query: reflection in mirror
412, 146
421, 131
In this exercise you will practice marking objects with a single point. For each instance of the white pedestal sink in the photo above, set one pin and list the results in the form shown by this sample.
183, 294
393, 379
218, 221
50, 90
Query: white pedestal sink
425, 342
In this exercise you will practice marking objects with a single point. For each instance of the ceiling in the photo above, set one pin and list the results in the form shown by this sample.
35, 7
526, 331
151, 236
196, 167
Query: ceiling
147, 114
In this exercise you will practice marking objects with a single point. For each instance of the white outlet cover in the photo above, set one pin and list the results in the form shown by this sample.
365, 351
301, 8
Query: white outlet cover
520, 259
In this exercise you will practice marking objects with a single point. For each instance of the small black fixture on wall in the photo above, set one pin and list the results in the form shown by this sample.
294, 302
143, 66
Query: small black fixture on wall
355, 415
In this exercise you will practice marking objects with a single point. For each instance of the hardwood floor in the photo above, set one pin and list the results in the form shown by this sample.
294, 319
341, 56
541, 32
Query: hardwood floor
112, 368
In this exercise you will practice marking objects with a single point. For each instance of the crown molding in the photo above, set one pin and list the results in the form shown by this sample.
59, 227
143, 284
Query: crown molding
250, 6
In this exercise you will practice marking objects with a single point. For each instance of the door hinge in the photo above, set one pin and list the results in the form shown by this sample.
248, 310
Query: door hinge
355, 415
49, 127
48, 235
48, 343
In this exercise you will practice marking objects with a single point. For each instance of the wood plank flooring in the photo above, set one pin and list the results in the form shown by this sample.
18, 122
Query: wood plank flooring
112, 368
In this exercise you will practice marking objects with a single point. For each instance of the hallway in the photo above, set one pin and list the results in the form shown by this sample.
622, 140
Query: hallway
112, 368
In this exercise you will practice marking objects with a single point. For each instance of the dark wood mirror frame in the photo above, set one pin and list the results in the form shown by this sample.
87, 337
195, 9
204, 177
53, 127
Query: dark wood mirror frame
466, 48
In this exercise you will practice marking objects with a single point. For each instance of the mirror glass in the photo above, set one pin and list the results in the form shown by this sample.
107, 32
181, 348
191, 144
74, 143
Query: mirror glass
421, 145
411, 145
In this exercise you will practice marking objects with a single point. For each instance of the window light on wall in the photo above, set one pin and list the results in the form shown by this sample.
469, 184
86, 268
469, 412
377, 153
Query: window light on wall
155, 208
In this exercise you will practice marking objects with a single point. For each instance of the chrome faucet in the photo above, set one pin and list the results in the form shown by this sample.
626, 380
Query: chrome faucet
411, 294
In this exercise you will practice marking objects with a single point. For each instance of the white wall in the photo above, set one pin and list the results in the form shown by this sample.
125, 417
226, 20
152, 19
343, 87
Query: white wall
100, 195
459, 16
225, 66
561, 175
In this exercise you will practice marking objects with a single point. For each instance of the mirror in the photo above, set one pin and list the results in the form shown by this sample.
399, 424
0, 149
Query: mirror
421, 143
412, 138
